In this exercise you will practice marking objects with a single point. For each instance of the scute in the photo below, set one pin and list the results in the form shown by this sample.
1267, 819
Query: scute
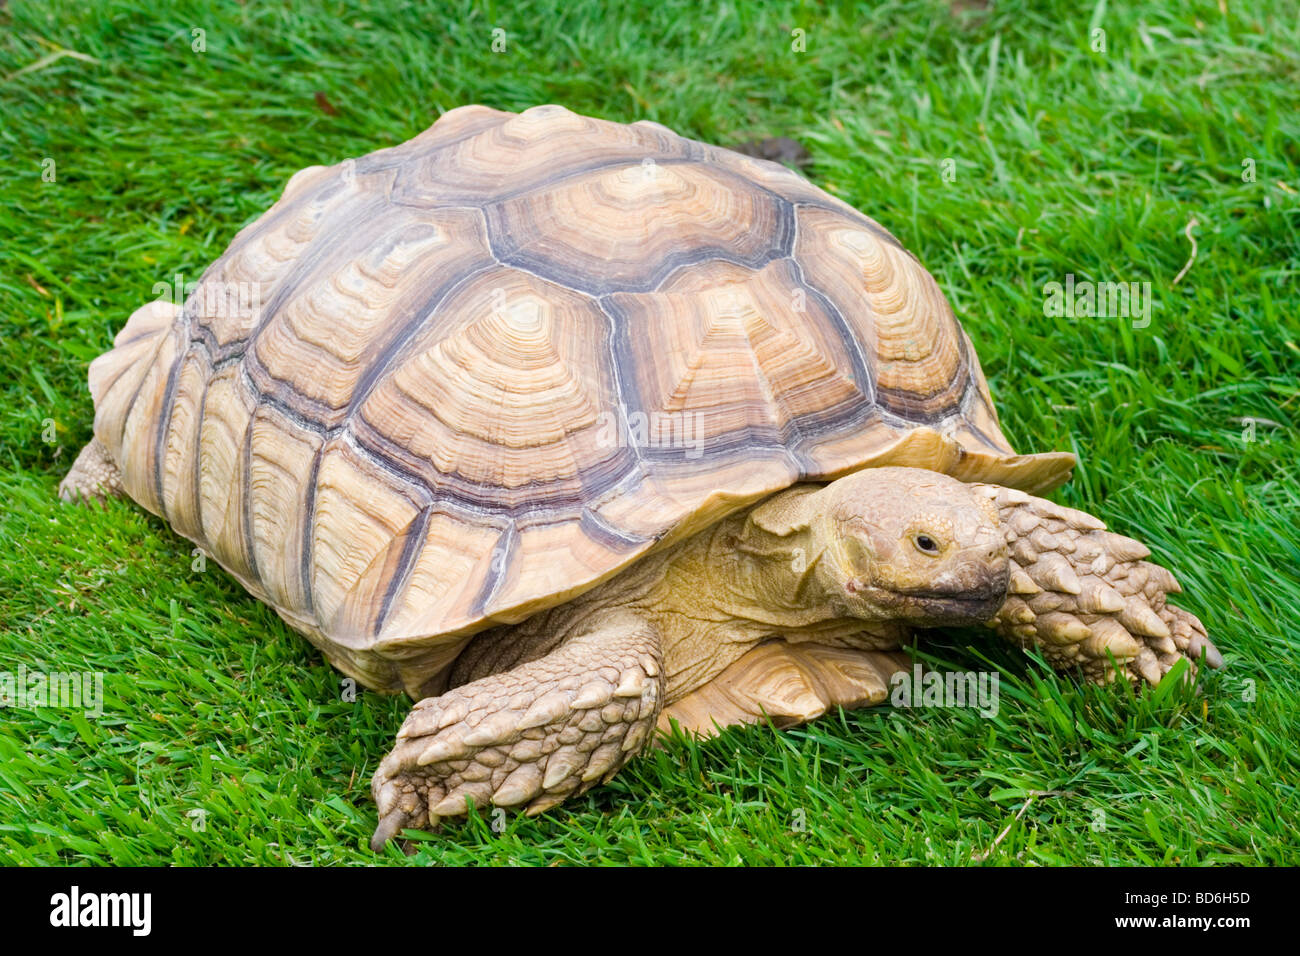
627, 227
497, 391
731, 365
461, 380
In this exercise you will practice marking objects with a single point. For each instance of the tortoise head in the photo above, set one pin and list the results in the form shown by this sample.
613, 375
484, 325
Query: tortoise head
911, 545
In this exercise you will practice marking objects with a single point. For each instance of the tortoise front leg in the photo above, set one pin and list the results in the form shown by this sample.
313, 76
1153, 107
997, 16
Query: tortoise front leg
530, 736
1084, 595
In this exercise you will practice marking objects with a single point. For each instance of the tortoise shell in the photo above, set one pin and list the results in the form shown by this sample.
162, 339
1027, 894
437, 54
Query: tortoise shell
452, 383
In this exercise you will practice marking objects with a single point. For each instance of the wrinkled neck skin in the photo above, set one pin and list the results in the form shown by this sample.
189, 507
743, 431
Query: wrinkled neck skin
764, 579
712, 597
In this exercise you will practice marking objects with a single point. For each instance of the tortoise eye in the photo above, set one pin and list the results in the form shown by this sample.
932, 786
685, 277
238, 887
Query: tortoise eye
925, 544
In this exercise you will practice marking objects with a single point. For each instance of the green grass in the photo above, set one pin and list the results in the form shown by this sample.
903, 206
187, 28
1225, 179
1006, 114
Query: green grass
1066, 161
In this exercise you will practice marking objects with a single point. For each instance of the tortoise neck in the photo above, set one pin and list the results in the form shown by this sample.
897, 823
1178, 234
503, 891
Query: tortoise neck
755, 574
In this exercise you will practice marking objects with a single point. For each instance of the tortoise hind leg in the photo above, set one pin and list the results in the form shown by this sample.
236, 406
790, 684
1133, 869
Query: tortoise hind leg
93, 475
529, 736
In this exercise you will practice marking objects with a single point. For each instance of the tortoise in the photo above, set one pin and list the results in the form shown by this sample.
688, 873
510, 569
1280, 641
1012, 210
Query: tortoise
576, 431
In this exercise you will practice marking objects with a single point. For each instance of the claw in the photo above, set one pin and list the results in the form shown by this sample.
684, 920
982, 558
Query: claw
496, 728
1197, 644
1147, 666
543, 803
450, 747
389, 826
522, 785
562, 765
1108, 635
456, 803
547, 710
1138, 617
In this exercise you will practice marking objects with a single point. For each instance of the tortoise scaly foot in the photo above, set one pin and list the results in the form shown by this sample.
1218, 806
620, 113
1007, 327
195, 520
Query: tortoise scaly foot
1084, 595
527, 737
94, 475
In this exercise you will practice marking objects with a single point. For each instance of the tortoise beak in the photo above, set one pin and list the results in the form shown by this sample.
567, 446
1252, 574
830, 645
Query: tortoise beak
940, 609
959, 604
974, 594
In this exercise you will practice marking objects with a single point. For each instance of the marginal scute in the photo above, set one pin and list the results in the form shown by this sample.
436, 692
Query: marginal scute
226, 416
466, 378
180, 464
358, 511
280, 465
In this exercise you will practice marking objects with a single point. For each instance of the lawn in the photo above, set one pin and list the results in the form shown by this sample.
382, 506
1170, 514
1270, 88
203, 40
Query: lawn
1008, 145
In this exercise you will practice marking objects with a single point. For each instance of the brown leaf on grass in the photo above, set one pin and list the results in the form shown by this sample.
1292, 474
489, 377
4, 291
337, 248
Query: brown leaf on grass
325, 105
